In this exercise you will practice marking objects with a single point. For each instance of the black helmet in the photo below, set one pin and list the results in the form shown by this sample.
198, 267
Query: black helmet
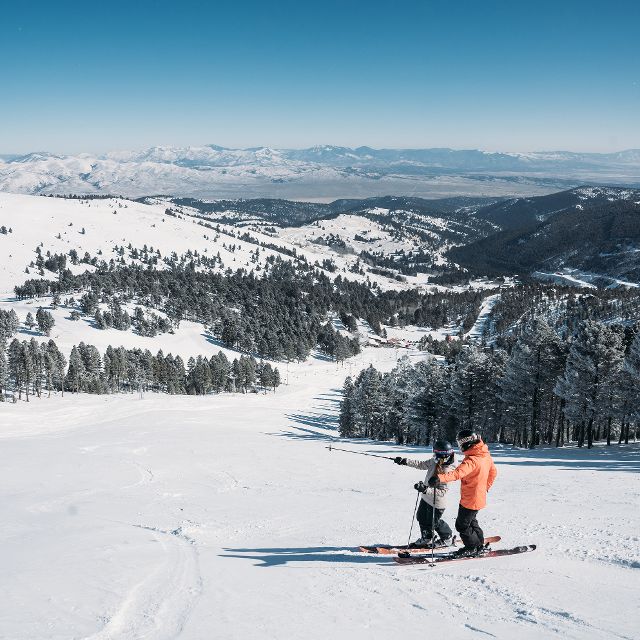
467, 438
442, 450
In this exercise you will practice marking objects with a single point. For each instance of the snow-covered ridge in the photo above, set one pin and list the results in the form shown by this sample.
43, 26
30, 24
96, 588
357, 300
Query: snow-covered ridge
317, 172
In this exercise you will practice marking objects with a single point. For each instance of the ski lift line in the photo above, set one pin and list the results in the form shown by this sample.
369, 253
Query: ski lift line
359, 453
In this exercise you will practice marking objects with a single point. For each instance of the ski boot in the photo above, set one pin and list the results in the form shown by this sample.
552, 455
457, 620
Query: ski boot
424, 542
470, 552
449, 541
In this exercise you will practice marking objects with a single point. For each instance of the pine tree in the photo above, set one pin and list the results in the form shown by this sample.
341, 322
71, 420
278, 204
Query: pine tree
397, 388
76, 371
342, 348
265, 373
629, 397
36, 357
45, 321
9, 323
369, 404
15, 367
594, 358
27, 367
346, 421
527, 386
469, 397
230, 333
55, 363
3, 366
99, 319
427, 401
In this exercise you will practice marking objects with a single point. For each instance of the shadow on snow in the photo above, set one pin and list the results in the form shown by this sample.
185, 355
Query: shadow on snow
323, 415
278, 557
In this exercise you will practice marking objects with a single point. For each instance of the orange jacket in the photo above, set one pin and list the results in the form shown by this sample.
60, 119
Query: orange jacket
477, 473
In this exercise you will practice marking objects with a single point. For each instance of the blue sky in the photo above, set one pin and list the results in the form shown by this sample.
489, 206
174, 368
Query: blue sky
464, 74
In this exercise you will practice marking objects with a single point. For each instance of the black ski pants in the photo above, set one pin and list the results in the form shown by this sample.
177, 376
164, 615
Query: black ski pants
426, 518
468, 528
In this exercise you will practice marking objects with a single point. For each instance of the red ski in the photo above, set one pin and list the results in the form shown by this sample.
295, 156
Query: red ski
498, 553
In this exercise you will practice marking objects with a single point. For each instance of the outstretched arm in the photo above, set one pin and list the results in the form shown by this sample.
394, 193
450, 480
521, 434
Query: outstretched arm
419, 464
464, 469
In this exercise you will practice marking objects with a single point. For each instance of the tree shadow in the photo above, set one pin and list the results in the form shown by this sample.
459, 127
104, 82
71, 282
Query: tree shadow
333, 395
215, 341
318, 355
300, 433
30, 332
321, 416
279, 557
314, 420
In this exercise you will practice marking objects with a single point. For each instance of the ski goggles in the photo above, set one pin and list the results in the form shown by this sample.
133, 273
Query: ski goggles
442, 453
470, 438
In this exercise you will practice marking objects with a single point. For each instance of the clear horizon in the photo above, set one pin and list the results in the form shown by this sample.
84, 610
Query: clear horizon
499, 77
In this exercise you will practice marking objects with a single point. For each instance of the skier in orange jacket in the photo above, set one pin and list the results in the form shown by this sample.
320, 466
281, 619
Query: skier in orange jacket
476, 473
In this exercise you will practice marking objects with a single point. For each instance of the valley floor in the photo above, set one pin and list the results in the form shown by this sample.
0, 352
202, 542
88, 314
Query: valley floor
226, 517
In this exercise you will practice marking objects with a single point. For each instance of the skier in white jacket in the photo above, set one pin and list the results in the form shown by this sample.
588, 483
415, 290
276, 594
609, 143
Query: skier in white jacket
432, 497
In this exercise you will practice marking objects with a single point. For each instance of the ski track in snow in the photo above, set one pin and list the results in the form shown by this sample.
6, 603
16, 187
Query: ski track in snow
503, 604
226, 517
158, 606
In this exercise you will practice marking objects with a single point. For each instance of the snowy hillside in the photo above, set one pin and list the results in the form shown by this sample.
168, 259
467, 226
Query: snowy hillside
319, 172
226, 516
98, 226
593, 231
403, 249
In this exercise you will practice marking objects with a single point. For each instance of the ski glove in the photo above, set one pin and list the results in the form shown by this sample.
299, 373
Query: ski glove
433, 481
420, 486
399, 460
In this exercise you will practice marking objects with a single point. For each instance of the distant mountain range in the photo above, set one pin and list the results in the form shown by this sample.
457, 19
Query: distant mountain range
322, 172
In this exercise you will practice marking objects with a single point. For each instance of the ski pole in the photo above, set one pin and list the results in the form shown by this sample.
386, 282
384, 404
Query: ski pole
359, 453
413, 518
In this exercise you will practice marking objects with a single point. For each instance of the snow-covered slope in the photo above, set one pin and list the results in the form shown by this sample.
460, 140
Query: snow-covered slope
227, 517
97, 226
319, 172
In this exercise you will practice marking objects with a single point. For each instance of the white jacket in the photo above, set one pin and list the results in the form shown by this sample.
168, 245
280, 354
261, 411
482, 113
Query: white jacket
435, 496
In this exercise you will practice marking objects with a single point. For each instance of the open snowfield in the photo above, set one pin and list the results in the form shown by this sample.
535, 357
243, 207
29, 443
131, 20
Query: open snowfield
226, 517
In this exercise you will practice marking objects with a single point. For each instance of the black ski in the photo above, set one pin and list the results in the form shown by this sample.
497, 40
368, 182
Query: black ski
498, 553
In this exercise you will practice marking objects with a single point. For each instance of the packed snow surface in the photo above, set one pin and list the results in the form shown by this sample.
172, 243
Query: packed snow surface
157, 517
